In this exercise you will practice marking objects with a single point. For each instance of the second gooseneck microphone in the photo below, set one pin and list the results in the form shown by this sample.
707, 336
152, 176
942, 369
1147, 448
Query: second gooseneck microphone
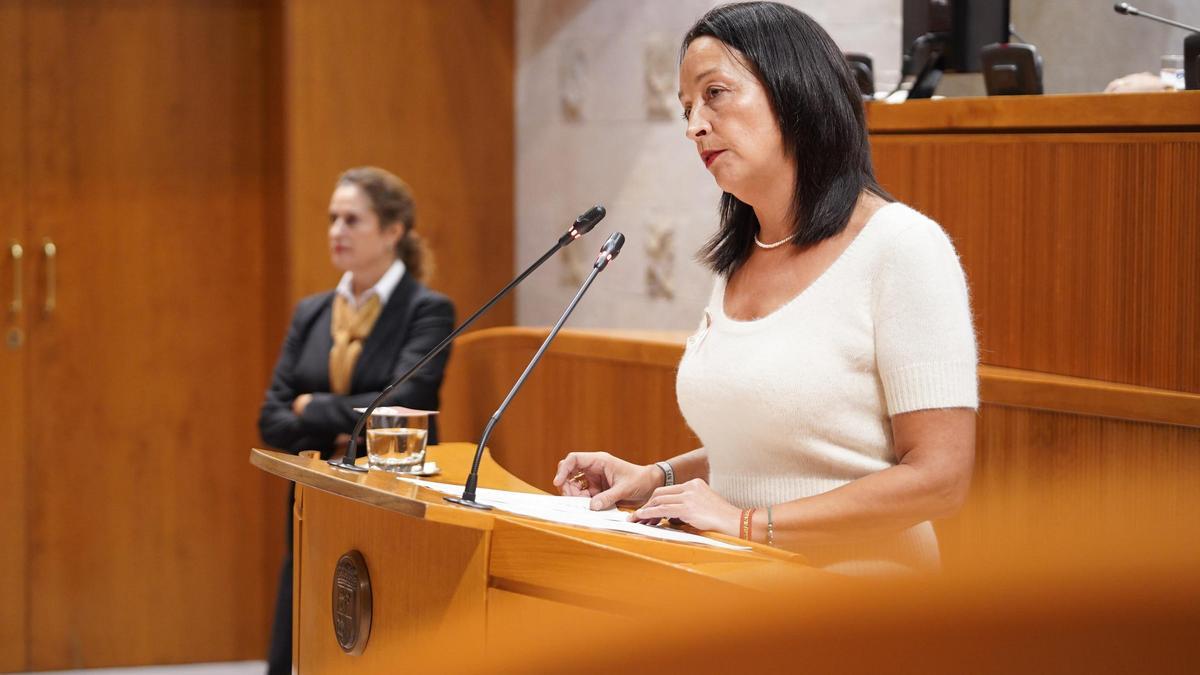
1129, 10
582, 225
611, 248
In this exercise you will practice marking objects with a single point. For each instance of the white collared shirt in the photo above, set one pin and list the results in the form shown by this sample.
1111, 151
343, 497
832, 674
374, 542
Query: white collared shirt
383, 288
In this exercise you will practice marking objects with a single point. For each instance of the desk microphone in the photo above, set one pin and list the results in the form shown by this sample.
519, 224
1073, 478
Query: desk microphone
610, 250
1129, 10
582, 225
1191, 43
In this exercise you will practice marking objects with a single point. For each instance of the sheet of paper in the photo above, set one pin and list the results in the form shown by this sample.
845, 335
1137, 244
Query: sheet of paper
570, 511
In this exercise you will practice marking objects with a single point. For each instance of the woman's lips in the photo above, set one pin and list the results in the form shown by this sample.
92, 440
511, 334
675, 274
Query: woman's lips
709, 156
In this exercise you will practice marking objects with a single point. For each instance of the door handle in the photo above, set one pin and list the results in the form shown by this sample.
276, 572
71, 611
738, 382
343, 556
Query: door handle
17, 253
51, 253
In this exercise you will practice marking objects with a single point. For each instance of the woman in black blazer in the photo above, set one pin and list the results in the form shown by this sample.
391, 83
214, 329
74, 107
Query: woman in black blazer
345, 345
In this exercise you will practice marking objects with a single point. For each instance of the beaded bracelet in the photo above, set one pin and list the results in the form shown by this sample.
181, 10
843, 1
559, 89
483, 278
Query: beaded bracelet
747, 524
770, 528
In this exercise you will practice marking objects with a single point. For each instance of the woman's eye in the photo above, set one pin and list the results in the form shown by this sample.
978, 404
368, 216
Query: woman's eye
686, 113
351, 221
711, 92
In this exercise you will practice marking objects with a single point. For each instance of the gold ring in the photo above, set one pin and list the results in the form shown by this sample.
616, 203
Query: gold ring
580, 479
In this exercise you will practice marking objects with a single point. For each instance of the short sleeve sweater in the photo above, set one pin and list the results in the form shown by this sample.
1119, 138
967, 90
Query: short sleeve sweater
799, 402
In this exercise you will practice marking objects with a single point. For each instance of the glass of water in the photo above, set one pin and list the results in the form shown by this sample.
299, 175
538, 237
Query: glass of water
1172, 71
396, 439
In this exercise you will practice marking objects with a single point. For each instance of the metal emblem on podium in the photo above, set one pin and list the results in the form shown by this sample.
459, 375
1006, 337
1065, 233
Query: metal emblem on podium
352, 603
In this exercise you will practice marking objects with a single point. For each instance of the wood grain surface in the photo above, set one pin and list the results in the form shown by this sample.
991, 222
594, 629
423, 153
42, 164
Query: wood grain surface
15, 449
1042, 475
1080, 249
424, 89
443, 574
383, 490
425, 577
588, 393
1158, 110
151, 541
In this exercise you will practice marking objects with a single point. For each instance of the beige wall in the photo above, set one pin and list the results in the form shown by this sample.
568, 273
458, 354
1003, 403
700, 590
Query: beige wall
585, 132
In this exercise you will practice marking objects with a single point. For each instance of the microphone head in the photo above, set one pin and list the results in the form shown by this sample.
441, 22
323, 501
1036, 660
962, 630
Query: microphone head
613, 246
1124, 8
588, 219
610, 250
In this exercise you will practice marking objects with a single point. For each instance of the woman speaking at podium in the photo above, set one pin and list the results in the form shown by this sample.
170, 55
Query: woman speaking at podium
344, 346
832, 380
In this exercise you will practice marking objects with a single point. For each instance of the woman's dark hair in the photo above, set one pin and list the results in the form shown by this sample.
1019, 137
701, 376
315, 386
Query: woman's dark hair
392, 201
819, 110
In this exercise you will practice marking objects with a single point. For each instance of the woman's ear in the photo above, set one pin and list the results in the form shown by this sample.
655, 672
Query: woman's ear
395, 231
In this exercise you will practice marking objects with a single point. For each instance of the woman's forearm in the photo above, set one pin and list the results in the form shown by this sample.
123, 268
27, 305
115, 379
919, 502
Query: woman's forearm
881, 503
689, 465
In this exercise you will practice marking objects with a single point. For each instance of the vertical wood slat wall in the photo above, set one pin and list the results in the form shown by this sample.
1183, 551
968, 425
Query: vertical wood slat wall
1080, 248
1077, 220
145, 163
181, 157
13, 493
425, 90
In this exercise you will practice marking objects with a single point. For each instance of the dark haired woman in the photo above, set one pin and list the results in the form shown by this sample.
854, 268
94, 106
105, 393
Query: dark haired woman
345, 345
832, 380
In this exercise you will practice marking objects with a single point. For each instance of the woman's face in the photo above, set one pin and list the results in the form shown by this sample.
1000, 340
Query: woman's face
356, 241
730, 120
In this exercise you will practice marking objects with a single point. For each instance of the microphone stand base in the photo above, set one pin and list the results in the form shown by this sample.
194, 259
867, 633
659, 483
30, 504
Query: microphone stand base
468, 502
346, 466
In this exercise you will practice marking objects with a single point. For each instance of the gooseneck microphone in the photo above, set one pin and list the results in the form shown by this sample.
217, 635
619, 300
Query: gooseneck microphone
1129, 10
610, 250
582, 225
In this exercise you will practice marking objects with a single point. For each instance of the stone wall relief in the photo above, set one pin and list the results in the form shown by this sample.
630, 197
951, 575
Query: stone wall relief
660, 256
572, 83
659, 64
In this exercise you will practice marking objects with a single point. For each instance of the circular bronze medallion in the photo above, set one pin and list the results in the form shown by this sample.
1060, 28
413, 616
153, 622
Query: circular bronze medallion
352, 603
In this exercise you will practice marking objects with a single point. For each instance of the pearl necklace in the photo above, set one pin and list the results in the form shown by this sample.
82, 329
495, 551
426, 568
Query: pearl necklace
781, 242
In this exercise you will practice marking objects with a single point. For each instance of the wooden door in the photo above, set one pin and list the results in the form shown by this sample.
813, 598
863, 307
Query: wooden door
152, 538
14, 450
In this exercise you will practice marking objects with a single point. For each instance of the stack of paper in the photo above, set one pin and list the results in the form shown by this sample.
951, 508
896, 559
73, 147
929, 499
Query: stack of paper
570, 511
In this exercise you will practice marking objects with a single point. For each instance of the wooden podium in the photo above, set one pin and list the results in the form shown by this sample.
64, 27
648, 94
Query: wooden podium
442, 575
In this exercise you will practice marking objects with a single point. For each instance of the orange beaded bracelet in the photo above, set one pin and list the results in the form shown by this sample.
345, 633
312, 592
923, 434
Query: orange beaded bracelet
747, 524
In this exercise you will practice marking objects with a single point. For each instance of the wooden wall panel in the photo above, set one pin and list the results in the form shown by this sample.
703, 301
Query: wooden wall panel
423, 88
14, 448
1070, 474
153, 541
1080, 248
588, 393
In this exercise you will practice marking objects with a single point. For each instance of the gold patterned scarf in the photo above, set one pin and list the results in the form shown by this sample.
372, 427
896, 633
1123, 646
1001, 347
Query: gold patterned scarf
350, 327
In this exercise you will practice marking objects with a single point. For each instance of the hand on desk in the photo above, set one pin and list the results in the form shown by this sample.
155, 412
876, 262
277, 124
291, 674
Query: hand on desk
1137, 82
607, 479
696, 504
301, 403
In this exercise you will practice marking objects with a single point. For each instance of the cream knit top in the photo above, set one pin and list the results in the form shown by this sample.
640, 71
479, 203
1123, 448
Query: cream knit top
798, 402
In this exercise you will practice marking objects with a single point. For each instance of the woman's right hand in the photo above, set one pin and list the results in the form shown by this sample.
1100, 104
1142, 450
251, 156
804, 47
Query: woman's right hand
609, 479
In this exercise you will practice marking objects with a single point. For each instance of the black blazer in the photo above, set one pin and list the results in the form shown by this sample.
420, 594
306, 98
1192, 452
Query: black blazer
414, 320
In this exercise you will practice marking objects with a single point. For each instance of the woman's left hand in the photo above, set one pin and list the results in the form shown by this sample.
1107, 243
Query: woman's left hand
301, 403
695, 503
